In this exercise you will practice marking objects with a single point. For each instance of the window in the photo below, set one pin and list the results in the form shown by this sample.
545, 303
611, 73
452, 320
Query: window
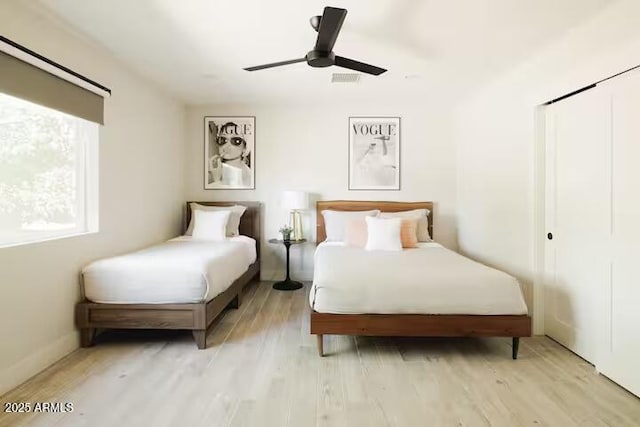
49, 118
48, 173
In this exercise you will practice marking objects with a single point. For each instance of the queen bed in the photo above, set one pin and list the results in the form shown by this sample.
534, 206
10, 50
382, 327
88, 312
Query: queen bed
424, 291
184, 283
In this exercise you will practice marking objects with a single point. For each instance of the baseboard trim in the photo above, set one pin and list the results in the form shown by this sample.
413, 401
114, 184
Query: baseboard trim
38, 361
278, 274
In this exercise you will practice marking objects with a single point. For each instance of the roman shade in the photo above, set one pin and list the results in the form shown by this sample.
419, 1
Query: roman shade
21, 79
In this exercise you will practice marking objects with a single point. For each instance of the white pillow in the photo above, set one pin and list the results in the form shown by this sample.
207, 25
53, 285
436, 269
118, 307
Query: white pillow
422, 215
335, 222
210, 225
383, 234
234, 219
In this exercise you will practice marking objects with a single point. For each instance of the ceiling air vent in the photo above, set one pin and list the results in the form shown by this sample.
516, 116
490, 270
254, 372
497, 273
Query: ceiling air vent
345, 78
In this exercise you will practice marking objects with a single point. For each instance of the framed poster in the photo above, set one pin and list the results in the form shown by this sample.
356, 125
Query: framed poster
374, 153
229, 153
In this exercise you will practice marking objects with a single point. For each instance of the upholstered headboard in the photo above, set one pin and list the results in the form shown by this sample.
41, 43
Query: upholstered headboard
359, 205
249, 221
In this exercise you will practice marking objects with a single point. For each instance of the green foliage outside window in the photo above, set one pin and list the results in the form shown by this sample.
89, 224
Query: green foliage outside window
37, 164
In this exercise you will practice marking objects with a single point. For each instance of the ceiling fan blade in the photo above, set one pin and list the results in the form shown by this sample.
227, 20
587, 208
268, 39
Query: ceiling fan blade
275, 64
351, 64
330, 24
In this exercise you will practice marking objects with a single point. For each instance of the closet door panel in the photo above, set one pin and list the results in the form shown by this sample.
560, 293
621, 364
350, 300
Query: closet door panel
580, 212
621, 351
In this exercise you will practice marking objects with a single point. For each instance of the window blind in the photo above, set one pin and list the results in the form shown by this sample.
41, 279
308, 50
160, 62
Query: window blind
24, 80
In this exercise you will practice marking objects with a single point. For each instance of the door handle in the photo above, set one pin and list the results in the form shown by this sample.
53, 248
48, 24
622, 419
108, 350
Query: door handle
550, 236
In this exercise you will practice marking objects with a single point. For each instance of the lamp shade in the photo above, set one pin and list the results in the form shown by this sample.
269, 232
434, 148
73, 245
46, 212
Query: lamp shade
295, 200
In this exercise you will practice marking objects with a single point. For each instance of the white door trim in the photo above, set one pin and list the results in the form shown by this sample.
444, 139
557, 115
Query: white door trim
539, 232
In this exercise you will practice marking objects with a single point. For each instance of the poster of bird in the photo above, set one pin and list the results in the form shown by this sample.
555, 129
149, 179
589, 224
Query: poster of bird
374, 153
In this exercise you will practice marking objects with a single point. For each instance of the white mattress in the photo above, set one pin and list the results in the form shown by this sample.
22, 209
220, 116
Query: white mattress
181, 270
427, 280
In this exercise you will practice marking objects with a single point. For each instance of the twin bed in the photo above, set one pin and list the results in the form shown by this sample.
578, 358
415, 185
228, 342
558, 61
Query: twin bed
180, 284
424, 291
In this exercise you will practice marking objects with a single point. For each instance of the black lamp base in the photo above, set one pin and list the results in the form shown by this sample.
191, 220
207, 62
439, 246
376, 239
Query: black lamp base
287, 285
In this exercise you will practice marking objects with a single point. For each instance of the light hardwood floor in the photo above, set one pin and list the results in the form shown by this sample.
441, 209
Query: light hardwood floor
261, 369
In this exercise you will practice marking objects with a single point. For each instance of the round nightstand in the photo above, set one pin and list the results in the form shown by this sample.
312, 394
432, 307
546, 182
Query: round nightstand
287, 284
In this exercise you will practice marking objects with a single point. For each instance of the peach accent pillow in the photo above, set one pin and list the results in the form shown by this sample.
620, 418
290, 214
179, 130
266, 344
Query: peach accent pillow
408, 233
423, 221
355, 233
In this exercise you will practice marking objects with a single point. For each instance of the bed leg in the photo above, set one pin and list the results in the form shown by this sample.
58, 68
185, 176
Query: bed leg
320, 345
515, 345
201, 338
86, 337
235, 303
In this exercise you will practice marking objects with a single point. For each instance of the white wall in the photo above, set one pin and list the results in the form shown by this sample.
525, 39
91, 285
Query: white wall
495, 134
305, 148
141, 197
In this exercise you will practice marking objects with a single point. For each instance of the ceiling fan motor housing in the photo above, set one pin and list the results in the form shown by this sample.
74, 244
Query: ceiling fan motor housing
316, 58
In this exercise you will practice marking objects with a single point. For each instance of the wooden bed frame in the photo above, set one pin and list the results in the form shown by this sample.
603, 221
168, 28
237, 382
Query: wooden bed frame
421, 325
197, 317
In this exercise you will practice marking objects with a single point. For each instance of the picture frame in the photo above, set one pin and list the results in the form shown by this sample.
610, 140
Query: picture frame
229, 152
374, 153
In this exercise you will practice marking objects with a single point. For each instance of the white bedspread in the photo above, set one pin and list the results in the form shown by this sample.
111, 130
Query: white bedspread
427, 280
181, 270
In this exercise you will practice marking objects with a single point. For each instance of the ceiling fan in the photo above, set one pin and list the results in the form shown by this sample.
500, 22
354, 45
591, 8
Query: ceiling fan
328, 27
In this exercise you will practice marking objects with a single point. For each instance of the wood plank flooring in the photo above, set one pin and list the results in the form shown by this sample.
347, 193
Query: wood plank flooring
261, 369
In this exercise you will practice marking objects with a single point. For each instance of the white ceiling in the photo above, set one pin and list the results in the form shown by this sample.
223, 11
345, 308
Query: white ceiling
433, 49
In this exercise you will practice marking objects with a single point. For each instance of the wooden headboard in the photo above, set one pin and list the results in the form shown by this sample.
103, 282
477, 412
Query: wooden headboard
357, 205
249, 221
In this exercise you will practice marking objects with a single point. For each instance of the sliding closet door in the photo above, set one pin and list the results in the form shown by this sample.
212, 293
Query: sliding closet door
577, 218
620, 351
